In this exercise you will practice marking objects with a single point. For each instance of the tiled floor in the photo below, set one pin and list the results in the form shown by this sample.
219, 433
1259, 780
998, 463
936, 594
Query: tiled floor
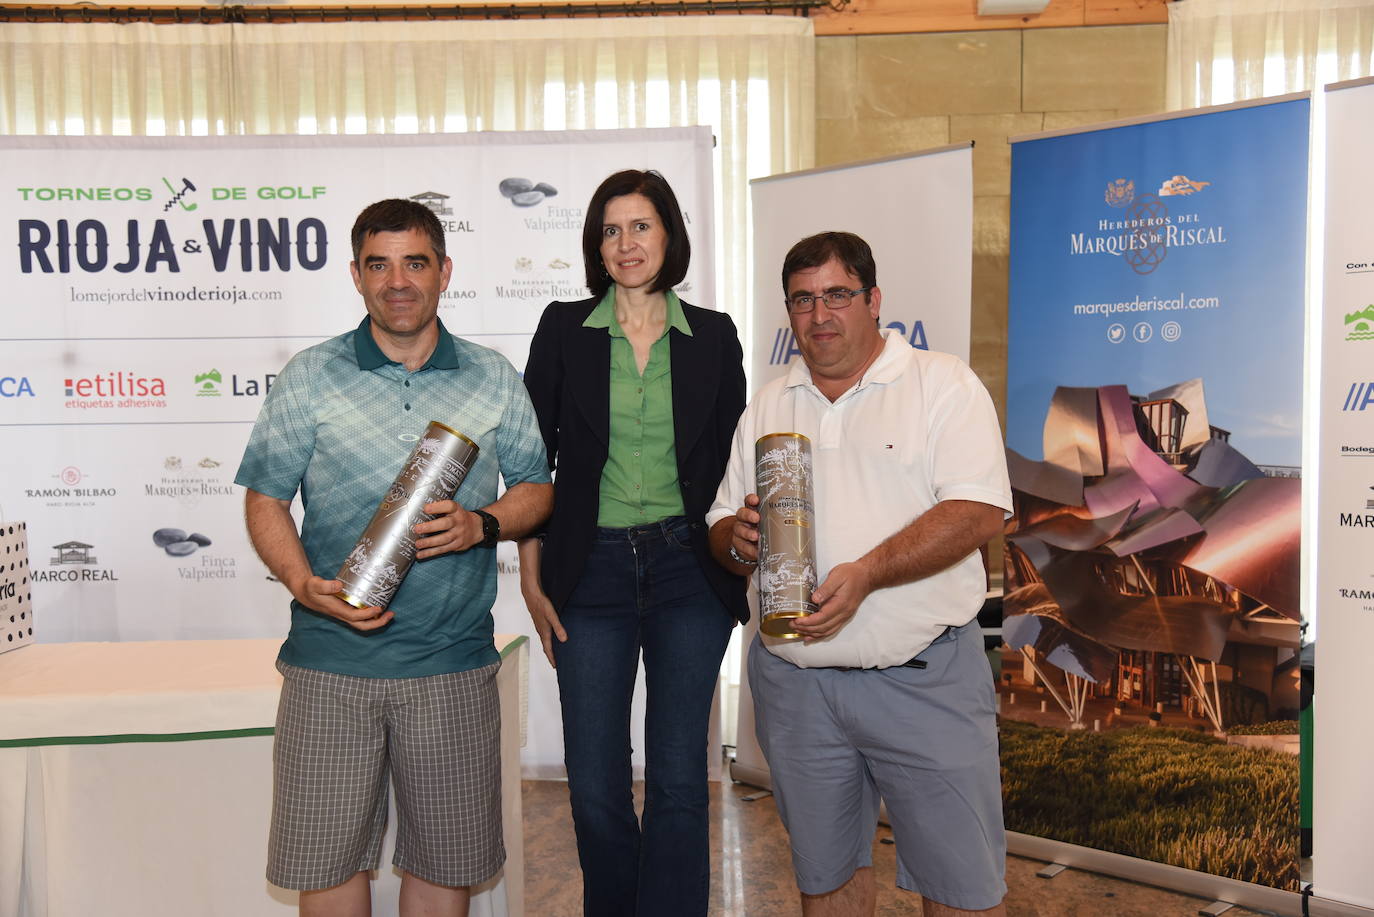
751, 871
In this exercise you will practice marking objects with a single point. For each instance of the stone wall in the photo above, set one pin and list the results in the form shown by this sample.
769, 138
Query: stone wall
880, 95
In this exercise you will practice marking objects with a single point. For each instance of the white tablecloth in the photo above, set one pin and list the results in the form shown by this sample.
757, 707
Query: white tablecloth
135, 779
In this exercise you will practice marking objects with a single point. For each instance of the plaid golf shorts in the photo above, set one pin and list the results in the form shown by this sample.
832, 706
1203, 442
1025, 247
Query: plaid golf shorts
340, 738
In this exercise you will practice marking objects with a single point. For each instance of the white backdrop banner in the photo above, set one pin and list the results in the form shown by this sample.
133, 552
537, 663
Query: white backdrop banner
1345, 507
915, 211
155, 286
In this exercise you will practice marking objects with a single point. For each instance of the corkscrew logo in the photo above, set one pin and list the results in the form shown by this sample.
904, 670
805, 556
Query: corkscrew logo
178, 195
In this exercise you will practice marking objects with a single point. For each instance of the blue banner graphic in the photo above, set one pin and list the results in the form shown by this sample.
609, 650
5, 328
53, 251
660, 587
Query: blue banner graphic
1153, 253
1151, 594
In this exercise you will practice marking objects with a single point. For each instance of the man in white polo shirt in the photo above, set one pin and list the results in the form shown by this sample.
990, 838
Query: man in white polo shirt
888, 694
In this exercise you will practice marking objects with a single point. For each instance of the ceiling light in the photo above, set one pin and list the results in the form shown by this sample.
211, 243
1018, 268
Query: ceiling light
1011, 7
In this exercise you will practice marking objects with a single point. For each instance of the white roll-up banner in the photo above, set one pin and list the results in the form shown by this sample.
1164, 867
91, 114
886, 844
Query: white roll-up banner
155, 286
915, 211
1343, 794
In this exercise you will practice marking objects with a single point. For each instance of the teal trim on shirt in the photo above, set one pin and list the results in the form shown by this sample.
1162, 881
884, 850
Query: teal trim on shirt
639, 480
370, 356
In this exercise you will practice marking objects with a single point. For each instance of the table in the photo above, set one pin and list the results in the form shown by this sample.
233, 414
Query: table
135, 779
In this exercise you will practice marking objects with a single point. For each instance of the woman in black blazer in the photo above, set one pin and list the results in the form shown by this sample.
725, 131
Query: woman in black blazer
637, 395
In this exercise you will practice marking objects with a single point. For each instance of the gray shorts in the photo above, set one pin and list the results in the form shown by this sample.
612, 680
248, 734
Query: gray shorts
924, 741
340, 737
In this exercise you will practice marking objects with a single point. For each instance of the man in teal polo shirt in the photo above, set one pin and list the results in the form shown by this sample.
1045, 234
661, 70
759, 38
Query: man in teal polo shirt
406, 692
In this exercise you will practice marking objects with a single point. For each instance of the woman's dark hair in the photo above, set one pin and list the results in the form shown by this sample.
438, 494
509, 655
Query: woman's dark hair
655, 187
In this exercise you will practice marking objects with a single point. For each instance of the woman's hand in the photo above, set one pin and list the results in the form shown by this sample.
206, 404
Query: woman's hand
545, 620
542, 612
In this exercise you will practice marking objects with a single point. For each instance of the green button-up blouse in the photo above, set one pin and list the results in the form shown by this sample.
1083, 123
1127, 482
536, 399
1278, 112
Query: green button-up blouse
639, 482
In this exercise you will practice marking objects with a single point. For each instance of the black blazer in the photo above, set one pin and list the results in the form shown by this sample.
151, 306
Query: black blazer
568, 377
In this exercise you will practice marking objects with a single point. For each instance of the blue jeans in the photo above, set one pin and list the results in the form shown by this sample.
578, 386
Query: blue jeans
643, 589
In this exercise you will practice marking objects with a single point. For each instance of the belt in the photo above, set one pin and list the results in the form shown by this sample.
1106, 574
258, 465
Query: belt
644, 529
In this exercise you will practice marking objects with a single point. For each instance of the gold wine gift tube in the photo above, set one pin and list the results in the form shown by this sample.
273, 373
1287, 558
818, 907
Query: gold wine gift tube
787, 542
383, 555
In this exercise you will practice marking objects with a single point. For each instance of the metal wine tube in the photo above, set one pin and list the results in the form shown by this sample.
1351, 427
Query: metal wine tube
787, 542
380, 560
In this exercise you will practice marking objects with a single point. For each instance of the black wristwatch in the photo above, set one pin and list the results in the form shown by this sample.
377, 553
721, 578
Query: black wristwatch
491, 529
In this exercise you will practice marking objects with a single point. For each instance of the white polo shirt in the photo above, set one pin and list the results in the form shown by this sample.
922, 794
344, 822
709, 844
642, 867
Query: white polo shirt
918, 428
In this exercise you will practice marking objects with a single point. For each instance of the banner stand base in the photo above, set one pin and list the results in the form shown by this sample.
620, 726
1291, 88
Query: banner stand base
1177, 879
751, 776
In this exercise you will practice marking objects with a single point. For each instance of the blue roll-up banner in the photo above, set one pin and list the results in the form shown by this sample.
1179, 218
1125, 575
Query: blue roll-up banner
1150, 672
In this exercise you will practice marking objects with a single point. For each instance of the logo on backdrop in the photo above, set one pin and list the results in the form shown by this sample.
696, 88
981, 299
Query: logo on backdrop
1181, 185
170, 191
16, 387
785, 342
189, 483
1359, 397
74, 562
438, 203
179, 543
1360, 520
165, 243
1144, 231
525, 265
1357, 520
69, 494
73, 552
1359, 326
210, 384
524, 193
554, 279
207, 384
1364, 596
178, 192
116, 389
1120, 193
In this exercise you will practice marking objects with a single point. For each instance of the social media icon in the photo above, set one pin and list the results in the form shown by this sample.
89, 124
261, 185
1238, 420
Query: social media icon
1116, 332
1171, 331
1142, 332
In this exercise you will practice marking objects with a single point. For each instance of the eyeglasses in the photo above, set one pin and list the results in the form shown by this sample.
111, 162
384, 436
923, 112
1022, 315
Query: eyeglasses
801, 303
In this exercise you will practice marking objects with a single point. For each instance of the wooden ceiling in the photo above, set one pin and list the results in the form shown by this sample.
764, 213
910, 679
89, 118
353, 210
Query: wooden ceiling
831, 17
876, 17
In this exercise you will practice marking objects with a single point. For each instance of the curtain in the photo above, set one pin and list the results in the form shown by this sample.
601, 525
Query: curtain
1222, 51
750, 78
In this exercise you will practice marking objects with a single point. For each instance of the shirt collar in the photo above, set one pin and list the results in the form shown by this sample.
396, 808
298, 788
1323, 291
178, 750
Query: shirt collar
891, 363
370, 356
603, 316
